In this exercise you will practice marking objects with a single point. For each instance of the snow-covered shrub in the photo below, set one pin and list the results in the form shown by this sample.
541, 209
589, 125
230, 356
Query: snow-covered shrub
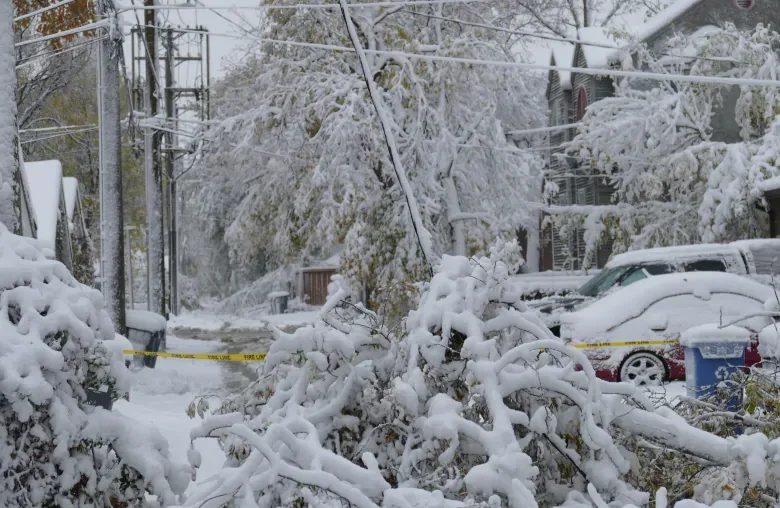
57, 344
475, 404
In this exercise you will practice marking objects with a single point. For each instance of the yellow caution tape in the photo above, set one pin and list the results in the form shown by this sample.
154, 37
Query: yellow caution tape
596, 345
239, 357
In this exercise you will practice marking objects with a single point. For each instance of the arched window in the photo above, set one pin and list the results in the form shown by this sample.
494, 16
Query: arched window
582, 102
744, 5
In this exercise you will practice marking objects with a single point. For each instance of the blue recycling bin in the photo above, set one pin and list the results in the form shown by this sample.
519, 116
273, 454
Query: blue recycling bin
712, 355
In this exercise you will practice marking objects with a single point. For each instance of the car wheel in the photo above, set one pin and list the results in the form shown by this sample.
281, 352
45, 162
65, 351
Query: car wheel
643, 369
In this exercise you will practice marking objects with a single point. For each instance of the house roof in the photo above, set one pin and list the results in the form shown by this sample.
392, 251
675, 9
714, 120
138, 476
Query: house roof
70, 187
600, 57
563, 55
45, 180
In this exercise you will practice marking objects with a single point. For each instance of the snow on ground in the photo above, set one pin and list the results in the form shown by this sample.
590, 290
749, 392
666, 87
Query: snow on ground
210, 322
160, 397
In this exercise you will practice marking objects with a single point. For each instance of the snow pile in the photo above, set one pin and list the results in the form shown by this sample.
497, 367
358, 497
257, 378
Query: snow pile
476, 405
58, 344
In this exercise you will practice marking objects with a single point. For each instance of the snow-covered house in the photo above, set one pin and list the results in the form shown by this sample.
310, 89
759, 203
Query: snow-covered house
81, 242
48, 202
569, 95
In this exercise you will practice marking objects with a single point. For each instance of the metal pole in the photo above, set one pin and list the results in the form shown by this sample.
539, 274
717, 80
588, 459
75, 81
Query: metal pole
113, 258
154, 195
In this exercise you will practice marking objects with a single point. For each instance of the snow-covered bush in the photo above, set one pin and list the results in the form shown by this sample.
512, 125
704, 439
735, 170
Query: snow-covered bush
56, 345
475, 404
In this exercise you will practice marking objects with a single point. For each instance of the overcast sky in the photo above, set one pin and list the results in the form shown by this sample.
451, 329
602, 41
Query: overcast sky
218, 22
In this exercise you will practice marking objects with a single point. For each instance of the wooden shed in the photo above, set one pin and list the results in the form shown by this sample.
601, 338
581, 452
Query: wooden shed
312, 281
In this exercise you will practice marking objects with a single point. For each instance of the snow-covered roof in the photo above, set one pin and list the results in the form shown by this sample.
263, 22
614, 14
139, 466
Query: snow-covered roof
599, 57
632, 301
663, 19
563, 56
45, 181
685, 252
70, 187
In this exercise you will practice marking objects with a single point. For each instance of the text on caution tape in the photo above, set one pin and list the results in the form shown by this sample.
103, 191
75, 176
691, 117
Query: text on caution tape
236, 357
597, 345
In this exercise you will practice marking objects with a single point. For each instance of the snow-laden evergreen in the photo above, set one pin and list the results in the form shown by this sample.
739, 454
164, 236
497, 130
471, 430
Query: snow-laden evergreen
301, 161
661, 144
57, 345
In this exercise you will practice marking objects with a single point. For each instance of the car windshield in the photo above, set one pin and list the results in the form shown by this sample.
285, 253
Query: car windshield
623, 275
603, 281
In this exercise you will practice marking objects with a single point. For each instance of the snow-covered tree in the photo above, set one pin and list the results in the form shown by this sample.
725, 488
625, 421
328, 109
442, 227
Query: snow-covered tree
677, 177
303, 150
564, 17
57, 346
475, 404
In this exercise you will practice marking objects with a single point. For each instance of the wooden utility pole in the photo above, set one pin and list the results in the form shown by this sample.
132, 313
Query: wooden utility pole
112, 230
10, 171
170, 143
154, 196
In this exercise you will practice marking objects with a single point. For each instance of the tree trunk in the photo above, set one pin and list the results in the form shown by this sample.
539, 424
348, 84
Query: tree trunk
113, 253
10, 172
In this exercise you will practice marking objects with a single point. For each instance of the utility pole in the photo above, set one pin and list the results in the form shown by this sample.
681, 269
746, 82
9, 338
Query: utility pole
154, 197
170, 144
10, 171
112, 230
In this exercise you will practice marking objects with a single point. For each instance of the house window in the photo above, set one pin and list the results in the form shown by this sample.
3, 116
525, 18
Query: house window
582, 103
744, 5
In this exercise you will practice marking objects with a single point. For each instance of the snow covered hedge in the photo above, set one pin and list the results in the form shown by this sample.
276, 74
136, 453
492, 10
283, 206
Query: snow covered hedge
476, 404
56, 343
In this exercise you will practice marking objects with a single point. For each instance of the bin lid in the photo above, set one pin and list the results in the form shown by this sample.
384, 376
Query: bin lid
712, 333
277, 294
145, 320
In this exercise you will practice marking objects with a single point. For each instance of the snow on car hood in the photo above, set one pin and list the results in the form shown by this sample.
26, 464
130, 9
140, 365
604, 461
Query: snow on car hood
632, 301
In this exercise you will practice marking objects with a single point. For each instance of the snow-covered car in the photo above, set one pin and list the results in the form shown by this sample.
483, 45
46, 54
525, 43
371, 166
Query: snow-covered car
756, 259
652, 313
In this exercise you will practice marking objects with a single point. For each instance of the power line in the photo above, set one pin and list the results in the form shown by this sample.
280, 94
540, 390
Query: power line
29, 60
67, 133
72, 31
560, 39
295, 6
57, 128
42, 10
654, 76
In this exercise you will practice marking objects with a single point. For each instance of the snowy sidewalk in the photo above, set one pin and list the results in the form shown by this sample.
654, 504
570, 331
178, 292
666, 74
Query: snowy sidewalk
160, 397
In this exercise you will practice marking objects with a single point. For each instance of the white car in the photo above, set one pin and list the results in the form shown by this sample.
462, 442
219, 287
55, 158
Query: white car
652, 313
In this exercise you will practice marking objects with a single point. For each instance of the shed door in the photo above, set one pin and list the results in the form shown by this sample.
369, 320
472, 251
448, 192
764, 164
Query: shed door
315, 286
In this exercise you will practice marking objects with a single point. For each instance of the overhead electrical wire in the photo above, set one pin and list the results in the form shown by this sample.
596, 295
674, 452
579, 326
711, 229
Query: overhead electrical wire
72, 31
190, 7
654, 76
30, 60
42, 10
